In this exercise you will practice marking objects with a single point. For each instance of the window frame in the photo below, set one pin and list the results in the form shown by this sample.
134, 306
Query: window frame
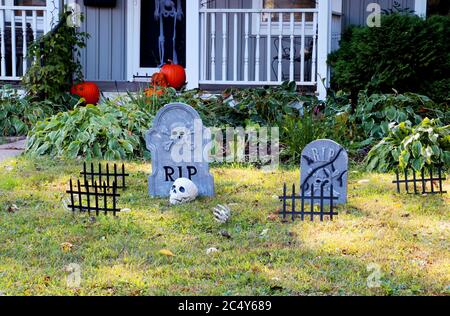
41, 23
275, 29
39, 15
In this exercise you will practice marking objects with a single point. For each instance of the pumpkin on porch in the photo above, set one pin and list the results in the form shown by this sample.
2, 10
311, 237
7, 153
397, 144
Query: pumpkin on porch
89, 91
159, 80
175, 75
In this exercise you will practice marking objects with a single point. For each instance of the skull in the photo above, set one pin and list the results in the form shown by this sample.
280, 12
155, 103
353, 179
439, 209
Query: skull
179, 134
183, 190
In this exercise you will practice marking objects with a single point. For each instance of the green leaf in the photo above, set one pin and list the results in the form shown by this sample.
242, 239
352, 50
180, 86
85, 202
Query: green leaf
416, 149
109, 155
404, 159
428, 153
373, 163
97, 151
73, 149
418, 164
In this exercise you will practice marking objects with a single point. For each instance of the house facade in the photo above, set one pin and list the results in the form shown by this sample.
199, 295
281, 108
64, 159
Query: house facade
221, 43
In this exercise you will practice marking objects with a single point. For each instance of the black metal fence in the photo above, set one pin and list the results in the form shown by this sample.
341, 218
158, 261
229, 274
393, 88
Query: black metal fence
93, 198
105, 175
421, 181
309, 203
97, 193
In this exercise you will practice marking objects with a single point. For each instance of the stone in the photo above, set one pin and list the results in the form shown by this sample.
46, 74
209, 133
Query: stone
211, 250
324, 163
180, 146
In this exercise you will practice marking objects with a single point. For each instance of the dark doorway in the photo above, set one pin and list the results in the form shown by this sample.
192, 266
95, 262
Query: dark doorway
438, 7
151, 29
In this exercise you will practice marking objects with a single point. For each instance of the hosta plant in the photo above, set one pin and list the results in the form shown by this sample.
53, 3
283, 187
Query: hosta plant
416, 147
108, 131
375, 114
18, 113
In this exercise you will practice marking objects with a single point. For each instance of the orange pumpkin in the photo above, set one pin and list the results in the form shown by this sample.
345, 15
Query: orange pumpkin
89, 91
159, 80
175, 75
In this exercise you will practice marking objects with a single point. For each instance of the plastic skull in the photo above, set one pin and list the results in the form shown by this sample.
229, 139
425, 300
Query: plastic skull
183, 190
180, 134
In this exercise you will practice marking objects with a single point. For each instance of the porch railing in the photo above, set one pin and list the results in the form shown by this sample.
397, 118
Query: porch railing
258, 46
19, 27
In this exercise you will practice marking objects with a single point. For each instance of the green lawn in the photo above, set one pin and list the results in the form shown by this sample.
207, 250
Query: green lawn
407, 236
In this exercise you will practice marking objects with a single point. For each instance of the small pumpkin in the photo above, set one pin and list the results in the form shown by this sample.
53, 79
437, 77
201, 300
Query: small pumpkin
175, 75
159, 80
89, 91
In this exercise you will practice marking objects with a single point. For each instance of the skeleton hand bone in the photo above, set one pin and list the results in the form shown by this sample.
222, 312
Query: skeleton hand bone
222, 213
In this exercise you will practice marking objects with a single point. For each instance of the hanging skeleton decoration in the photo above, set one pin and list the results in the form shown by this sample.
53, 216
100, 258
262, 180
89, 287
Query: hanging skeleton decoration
166, 10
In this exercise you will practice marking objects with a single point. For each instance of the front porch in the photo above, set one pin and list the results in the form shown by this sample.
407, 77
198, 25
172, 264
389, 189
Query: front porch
245, 44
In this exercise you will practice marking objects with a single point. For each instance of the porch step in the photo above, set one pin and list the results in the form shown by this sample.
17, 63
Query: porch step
121, 86
215, 89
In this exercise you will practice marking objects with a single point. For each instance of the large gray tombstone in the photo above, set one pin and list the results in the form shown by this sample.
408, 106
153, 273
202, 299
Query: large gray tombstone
179, 144
324, 162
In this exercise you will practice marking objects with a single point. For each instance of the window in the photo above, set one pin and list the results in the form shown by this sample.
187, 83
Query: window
275, 17
291, 4
438, 7
34, 3
30, 3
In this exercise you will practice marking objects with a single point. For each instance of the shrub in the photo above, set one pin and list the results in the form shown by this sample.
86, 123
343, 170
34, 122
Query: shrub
295, 134
427, 144
18, 113
265, 106
375, 114
406, 53
112, 131
56, 65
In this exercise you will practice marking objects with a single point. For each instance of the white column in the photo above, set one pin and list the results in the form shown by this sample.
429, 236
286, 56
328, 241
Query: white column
213, 46
257, 50
420, 8
323, 47
62, 3
246, 49
24, 43
2, 44
131, 38
224, 46
193, 48
235, 48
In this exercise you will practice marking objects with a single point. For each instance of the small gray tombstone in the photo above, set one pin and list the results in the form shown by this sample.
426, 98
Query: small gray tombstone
179, 144
324, 163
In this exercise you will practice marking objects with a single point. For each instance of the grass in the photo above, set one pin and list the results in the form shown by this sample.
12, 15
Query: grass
406, 236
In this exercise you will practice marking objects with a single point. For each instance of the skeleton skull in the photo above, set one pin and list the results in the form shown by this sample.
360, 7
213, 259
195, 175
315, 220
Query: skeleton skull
183, 190
180, 134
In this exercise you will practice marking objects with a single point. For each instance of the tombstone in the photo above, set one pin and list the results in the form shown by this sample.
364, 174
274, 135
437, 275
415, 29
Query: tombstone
324, 162
180, 145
